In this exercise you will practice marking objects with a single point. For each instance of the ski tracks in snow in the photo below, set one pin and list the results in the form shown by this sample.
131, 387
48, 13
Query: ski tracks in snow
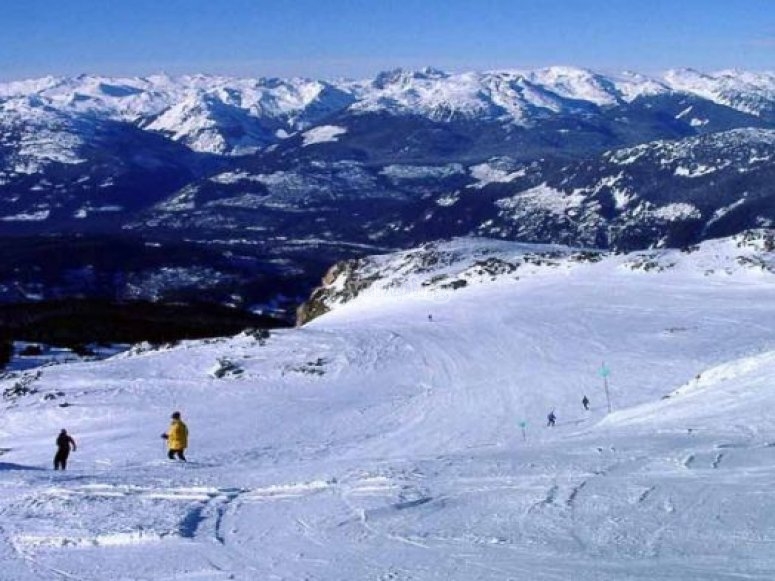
627, 503
200, 516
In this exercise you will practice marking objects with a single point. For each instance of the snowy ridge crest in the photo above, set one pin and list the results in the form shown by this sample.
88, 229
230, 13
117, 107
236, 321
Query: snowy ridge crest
433, 270
234, 116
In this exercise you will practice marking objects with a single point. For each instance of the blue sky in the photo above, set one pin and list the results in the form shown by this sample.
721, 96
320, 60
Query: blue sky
357, 38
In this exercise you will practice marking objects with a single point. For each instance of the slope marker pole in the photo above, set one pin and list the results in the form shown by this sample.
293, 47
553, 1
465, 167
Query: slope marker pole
604, 373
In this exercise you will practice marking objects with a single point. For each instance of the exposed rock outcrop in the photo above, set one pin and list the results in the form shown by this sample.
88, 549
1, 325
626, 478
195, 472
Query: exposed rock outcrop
343, 282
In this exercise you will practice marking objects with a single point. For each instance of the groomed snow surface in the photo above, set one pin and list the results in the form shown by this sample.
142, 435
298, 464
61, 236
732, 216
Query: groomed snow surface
376, 444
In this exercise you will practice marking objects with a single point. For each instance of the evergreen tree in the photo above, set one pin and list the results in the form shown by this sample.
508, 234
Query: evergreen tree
6, 351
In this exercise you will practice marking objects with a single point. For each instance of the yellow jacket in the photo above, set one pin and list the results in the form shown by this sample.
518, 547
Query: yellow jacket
177, 436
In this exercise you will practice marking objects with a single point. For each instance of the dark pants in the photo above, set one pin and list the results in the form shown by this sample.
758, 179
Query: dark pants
171, 455
60, 460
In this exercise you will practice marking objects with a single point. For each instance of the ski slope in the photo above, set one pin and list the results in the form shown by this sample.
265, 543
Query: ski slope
375, 444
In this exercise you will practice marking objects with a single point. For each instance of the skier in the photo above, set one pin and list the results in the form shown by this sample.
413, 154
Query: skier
177, 437
64, 441
585, 402
430, 317
551, 419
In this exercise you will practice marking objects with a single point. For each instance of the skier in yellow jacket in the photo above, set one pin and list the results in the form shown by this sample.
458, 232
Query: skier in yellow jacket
177, 438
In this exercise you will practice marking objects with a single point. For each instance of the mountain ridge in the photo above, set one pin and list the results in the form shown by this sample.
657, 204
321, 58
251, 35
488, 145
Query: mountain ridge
516, 96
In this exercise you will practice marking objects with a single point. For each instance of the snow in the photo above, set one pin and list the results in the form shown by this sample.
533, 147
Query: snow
723, 211
42, 137
87, 210
239, 116
677, 211
323, 134
748, 92
431, 93
327, 181
514, 96
577, 84
182, 201
207, 113
494, 172
249, 201
374, 444
37, 216
621, 198
741, 148
694, 121
629, 155
203, 124
399, 172
447, 200
542, 197
696, 171
233, 177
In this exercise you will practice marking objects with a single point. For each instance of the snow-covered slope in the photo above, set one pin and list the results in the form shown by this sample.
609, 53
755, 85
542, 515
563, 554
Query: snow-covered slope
208, 113
374, 443
746, 91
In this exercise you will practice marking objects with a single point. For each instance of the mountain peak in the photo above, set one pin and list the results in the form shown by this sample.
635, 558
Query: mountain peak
404, 77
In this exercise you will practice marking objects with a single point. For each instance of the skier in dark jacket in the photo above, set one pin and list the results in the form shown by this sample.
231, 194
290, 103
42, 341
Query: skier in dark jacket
64, 441
585, 402
551, 419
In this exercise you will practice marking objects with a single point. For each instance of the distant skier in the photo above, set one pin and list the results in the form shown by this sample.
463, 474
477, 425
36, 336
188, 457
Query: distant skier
551, 419
177, 438
430, 317
64, 442
585, 403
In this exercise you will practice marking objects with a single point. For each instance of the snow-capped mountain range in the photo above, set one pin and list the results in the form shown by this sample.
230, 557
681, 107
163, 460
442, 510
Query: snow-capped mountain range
231, 116
290, 168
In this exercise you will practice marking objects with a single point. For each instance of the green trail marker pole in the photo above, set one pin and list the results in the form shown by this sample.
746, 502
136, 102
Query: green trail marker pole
523, 427
604, 373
